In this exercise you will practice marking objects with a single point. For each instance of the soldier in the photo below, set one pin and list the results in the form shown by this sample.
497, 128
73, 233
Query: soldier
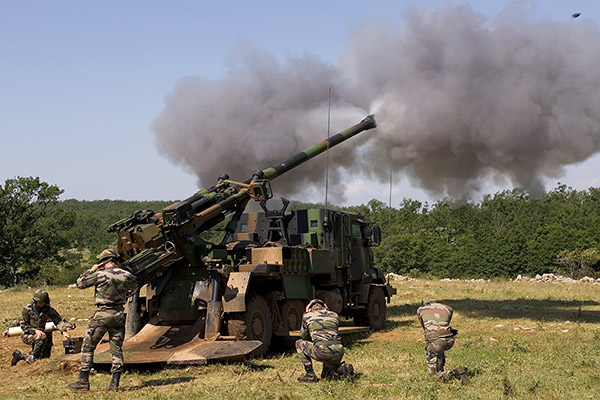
321, 326
33, 322
439, 337
112, 287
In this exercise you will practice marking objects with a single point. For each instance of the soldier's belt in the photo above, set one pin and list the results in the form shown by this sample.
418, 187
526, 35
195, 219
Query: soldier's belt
111, 307
438, 335
328, 342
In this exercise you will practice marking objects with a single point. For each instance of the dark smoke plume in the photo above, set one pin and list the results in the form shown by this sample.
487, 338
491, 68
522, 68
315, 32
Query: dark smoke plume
459, 100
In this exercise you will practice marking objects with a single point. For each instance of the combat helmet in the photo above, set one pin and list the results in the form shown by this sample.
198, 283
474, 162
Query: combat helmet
315, 302
107, 255
41, 295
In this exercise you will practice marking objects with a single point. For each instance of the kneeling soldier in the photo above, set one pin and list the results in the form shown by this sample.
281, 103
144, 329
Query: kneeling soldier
439, 337
321, 326
33, 322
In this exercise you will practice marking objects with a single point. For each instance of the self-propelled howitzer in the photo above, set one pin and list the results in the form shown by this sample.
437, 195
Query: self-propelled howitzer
172, 234
194, 290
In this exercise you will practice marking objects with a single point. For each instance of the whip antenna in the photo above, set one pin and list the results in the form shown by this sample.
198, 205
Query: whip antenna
390, 210
328, 132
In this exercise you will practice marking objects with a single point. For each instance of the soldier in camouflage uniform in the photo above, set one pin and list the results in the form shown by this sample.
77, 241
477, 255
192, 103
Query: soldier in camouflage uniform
112, 287
439, 337
33, 322
321, 326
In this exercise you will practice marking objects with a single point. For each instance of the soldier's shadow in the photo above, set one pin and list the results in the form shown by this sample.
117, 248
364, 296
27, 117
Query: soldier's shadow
161, 382
535, 309
402, 311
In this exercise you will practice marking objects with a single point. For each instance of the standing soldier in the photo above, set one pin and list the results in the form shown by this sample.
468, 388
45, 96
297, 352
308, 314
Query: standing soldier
33, 322
439, 337
321, 326
112, 286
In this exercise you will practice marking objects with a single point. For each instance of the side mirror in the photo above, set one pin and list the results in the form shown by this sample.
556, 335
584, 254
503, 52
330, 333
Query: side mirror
376, 235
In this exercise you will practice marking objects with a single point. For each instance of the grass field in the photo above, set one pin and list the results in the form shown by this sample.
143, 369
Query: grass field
521, 340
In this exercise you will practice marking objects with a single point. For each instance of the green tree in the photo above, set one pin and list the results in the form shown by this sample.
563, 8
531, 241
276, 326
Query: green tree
579, 263
32, 228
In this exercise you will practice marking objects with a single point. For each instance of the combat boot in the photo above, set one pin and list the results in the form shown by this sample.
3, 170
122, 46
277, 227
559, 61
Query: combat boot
461, 373
83, 383
328, 373
445, 376
346, 371
310, 376
17, 356
114, 382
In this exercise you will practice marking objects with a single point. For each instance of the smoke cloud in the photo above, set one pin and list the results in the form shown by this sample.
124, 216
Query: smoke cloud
459, 100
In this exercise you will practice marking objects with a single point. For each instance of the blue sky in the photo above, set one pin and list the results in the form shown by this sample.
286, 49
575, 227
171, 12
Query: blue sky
82, 83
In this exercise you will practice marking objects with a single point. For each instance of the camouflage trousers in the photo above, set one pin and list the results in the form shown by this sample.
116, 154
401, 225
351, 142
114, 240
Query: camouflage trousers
330, 354
105, 320
40, 348
436, 357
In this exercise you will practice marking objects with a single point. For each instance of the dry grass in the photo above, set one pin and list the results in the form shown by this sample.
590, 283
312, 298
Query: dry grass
522, 340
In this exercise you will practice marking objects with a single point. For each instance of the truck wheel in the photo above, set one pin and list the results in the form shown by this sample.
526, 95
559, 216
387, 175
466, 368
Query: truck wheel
254, 324
291, 314
374, 314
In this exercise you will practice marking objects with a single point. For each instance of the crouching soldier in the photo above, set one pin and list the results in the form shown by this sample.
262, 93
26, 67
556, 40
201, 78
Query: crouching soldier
33, 323
320, 341
439, 337
112, 287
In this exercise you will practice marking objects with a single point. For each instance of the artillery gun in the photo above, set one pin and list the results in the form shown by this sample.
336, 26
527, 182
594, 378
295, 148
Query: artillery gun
251, 285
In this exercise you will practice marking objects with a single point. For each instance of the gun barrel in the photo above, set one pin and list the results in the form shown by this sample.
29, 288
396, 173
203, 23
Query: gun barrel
177, 213
297, 159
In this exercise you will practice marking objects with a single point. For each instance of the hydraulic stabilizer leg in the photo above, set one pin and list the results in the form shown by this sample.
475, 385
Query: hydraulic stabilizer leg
132, 322
214, 309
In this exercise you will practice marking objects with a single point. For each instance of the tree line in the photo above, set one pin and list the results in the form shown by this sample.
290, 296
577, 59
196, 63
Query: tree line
47, 241
506, 234
44, 240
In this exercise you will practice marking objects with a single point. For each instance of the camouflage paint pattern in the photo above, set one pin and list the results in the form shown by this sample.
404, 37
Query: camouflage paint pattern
34, 318
292, 162
175, 231
321, 327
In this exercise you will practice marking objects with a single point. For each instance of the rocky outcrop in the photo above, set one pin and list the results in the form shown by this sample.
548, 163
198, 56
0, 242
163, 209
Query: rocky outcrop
557, 279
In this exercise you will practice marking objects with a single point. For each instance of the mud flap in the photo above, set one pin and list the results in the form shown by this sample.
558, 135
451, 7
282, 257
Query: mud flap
177, 345
234, 298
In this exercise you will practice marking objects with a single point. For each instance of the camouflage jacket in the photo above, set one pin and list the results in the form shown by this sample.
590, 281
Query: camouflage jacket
112, 284
435, 320
320, 325
33, 318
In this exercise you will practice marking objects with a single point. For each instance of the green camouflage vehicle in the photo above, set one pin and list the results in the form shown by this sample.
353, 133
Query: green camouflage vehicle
198, 299
287, 259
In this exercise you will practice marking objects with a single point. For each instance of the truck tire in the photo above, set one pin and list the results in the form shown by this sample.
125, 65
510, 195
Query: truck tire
253, 324
291, 314
374, 313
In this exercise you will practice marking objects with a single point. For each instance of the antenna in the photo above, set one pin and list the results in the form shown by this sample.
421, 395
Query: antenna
327, 167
